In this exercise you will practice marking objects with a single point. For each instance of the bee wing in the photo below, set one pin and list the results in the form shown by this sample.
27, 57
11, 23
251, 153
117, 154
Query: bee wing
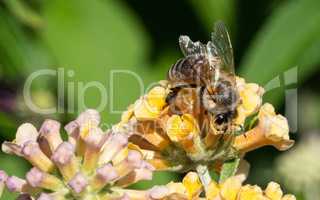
188, 47
220, 46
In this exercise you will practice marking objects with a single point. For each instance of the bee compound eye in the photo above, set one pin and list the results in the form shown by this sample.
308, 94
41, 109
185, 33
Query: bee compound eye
221, 118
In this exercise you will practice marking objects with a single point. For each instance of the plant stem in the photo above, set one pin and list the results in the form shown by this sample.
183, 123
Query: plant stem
204, 175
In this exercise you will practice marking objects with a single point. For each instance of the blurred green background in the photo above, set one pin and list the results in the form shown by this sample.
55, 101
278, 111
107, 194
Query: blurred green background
273, 40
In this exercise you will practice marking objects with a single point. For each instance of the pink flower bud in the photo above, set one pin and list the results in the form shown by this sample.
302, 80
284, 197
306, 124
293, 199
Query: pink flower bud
3, 176
124, 197
15, 184
96, 138
107, 173
158, 192
78, 183
39, 179
50, 131
73, 130
36, 157
35, 177
89, 116
116, 142
65, 160
45, 196
63, 154
49, 126
135, 158
144, 172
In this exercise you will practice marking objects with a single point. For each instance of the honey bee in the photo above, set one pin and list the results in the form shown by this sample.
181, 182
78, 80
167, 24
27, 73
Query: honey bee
210, 69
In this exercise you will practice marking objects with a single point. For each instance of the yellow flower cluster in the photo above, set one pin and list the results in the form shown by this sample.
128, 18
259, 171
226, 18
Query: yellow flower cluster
232, 189
158, 128
191, 189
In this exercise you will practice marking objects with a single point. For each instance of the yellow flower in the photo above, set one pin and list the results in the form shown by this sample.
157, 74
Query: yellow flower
143, 111
272, 129
249, 192
288, 197
150, 106
126, 115
250, 99
184, 131
181, 128
157, 97
192, 184
273, 191
213, 191
232, 189
227, 190
189, 189
275, 126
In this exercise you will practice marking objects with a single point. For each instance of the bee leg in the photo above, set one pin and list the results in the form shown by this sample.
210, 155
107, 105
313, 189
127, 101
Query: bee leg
172, 94
201, 94
242, 129
245, 135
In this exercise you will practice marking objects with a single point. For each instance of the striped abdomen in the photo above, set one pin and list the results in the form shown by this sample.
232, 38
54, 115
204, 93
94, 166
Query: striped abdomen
192, 70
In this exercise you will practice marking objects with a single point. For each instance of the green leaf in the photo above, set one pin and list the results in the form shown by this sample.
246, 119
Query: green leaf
210, 11
159, 178
229, 168
282, 43
7, 126
10, 46
309, 108
20, 53
90, 39
24, 13
309, 60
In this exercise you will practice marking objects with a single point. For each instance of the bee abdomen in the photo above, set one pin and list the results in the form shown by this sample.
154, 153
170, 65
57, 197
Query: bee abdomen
181, 71
188, 71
